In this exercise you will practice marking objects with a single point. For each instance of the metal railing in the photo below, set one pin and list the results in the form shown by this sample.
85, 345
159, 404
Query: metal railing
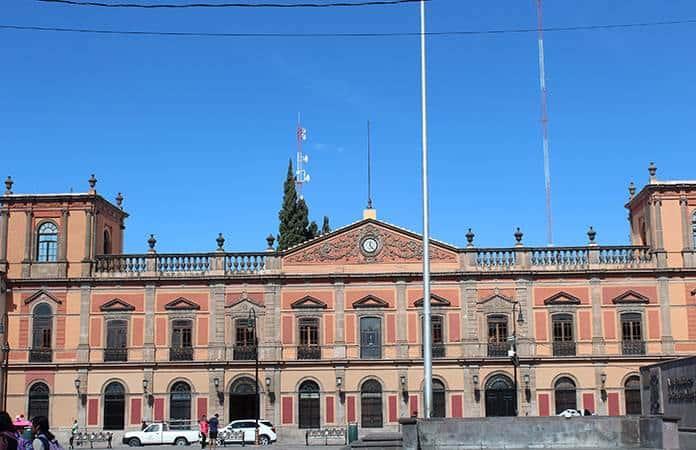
244, 353
181, 354
633, 347
308, 352
43, 355
115, 354
437, 350
498, 349
564, 348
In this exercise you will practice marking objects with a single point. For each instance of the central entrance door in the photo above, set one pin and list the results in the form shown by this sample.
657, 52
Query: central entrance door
500, 397
242, 399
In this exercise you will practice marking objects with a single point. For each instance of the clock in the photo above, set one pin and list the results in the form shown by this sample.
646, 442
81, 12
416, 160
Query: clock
369, 245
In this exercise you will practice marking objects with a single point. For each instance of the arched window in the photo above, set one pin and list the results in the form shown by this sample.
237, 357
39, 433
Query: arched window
47, 242
107, 242
632, 395
180, 406
564, 391
114, 406
371, 404
42, 325
38, 400
438, 399
242, 399
500, 397
309, 405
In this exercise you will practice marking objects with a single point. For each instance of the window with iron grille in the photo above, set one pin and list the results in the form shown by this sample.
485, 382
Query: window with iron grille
693, 230
370, 338
566, 398
47, 242
114, 406
632, 396
244, 344
632, 334
116, 341
309, 339
371, 404
497, 336
180, 406
38, 400
182, 342
563, 341
438, 399
309, 405
42, 333
437, 333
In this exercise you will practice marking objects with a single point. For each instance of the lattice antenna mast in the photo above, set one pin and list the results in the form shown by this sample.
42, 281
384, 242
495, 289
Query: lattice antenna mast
544, 124
369, 169
301, 175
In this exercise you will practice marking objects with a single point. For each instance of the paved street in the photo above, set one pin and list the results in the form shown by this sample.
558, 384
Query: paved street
276, 446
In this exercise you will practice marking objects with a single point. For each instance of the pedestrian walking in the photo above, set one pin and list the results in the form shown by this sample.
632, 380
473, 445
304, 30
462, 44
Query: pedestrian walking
43, 438
203, 428
73, 433
8, 434
213, 425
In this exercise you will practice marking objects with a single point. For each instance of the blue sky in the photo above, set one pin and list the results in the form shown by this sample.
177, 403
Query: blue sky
197, 132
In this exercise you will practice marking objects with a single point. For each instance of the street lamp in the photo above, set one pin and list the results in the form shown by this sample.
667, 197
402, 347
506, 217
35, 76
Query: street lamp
513, 353
251, 327
6, 364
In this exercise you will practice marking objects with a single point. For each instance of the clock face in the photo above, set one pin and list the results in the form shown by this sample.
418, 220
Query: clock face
369, 245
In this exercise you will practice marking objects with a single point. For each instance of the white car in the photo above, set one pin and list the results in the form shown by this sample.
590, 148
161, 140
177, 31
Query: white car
568, 413
160, 433
267, 434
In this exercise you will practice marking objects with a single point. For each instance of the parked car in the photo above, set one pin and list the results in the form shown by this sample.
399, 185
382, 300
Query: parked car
267, 434
159, 433
570, 413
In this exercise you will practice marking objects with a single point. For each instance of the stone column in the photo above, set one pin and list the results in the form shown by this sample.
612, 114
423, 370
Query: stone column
28, 243
665, 318
401, 320
149, 338
688, 252
4, 226
271, 298
471, 346
63, 241
216, 333
88, 243
340, 335
526, 339
596, 302
83, 343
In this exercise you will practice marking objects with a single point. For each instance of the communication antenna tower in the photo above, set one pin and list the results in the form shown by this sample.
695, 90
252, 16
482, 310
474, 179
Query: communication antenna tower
301, 175
544, 124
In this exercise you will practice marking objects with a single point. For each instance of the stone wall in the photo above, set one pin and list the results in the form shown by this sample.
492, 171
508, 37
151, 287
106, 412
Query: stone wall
669, 388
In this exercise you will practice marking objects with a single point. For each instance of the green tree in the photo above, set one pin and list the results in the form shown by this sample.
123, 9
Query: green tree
325, 228
291, 229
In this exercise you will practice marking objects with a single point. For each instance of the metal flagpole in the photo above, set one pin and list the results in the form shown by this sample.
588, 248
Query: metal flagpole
427, 339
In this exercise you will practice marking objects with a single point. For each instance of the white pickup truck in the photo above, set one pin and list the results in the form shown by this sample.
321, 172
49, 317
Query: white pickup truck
159, 433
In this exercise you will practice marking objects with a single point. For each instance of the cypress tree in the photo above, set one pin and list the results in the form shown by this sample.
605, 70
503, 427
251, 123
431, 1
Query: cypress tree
325, 228
291, 230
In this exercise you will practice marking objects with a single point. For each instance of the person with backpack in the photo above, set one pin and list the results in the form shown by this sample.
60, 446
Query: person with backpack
43, 438
9, 438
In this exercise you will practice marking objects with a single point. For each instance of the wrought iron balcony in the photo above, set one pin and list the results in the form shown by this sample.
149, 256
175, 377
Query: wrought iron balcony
244, 353
181, 354
633, 347
564, 348
438, 350
498, 349
308, 352
115, 354
43, 355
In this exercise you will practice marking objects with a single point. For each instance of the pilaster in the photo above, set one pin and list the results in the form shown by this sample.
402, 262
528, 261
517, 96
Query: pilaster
28, 241
596, 302
86, 269
665, 318
149, 337
148, 397
659, 238
401, 320
526, 339
83, 376
602, 406
83, 343
470, 339
271, 297
341, 419
688, 252
217, 322
4, 226
63, 235
340, 338
216, 394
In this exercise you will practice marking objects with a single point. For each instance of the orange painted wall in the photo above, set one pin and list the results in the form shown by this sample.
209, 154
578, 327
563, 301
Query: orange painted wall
288, 330
138, 331
585, 324
202, 331
391, 328
452, 295
353, 295
287, 298
328, 329
611, 292
161, 331
95, 332
542, 293
350, 328
200, 298
654, 324
412, 328
135, 299
609, 324
454, 332
541, 325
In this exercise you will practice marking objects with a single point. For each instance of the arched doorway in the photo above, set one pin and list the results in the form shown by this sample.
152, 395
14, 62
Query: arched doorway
242, 399
500, 397
309, 405
180, 406
632, 395
371, 404
438, 399
38, 400
566, 398
114, 406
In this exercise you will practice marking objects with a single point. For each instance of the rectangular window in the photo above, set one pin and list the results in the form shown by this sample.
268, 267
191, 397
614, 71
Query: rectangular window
182, 343
244, 344
632, 334
563, 342
116, 341
438, 342
309, 339
370, 338
497, 336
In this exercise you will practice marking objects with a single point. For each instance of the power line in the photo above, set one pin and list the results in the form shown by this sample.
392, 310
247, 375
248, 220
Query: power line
345, 35
231, 5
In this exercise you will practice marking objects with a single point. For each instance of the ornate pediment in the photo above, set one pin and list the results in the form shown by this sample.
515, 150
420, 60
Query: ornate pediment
307, 302
366, 242
630, 298
116, 305
435, 300
41, 294
562, 298
245, 299
495, 300
370, 301
181, 304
